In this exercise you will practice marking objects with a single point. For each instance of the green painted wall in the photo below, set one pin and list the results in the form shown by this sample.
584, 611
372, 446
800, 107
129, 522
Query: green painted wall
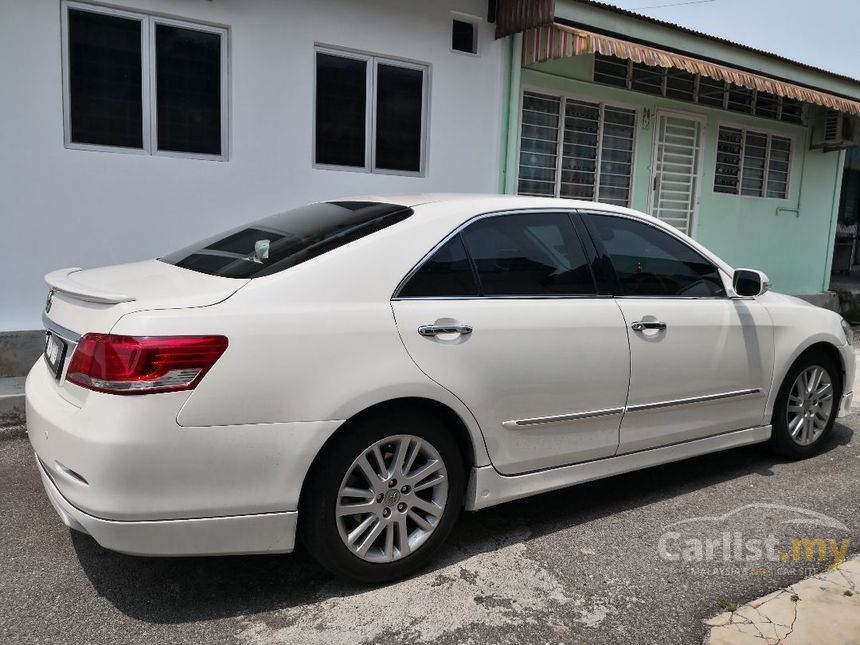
789, 239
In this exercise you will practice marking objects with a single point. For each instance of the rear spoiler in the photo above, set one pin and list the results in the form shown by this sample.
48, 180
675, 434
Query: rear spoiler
61, 282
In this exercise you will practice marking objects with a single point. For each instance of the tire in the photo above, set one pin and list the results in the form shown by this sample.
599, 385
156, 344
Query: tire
806, 439
397, 509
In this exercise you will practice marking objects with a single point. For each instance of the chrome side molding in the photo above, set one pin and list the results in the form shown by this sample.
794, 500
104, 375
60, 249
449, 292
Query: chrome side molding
693, 399
519, 424
559, 418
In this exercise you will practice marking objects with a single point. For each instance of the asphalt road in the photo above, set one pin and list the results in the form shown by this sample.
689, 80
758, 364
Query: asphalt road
575, 566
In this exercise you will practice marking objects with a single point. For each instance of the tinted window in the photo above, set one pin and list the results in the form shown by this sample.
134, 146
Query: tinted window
188, 89
530, 254
446, 273
285, 240
399, 103
106, 107
341, 87
650, 262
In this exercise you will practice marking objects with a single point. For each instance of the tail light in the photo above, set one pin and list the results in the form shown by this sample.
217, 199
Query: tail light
143, 364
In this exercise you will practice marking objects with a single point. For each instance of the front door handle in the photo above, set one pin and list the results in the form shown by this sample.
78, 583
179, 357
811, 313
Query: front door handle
642, 325
433, 330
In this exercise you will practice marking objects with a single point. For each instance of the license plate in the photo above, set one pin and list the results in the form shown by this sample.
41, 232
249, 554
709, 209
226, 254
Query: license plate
55, 353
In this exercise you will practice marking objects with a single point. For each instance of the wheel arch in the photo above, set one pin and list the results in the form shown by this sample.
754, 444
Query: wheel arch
460, 431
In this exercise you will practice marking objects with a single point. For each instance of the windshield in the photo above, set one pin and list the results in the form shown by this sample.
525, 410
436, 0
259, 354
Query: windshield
287, 239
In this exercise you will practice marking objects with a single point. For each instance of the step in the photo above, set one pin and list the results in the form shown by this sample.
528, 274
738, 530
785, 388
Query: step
12, 401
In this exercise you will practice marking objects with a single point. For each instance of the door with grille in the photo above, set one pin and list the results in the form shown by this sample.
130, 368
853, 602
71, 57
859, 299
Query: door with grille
677, 170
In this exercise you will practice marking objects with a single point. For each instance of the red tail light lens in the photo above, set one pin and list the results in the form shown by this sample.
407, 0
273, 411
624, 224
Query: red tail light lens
143, 364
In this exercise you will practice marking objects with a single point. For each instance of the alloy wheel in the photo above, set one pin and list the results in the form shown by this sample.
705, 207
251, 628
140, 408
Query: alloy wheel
392, 498
810, 402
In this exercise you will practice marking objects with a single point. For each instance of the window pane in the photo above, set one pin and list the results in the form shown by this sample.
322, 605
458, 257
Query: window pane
579, 160
106, 105
755, 149
650, 262
610, 70
646, 78
778, 167
399, 105
341, 101
282, 241
538, 144
729, 144
188, 89
446, 273
463, 37
528, 255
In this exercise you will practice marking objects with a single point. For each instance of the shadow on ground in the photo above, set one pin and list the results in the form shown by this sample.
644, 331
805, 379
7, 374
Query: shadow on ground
179, 590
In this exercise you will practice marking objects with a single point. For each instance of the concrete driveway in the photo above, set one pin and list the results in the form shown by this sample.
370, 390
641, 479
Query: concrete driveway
581, 565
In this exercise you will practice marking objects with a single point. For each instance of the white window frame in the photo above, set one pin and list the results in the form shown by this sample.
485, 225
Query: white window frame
769, 133
148, 82
586, 98
476, 22
373, 61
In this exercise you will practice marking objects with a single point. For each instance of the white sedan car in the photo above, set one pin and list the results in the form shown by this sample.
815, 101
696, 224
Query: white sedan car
353, 373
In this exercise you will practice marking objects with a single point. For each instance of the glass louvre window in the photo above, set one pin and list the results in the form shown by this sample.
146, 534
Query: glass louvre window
595, 161
350, 88
539, 145
727, 173
109, 57
188, 89
753, 164
683, 86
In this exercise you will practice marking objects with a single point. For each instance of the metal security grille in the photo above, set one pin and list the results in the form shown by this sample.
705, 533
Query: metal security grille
576, 149
754, 164
676, 167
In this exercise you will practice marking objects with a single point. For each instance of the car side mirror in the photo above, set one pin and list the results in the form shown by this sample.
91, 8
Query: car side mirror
749, 282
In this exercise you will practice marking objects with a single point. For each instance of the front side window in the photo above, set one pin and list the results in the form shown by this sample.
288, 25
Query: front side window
110, 57
351, 88
525, 255
753, 164
282, 241
650, 262
576, 149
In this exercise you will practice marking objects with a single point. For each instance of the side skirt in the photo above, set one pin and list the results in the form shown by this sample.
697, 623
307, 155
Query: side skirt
487, 487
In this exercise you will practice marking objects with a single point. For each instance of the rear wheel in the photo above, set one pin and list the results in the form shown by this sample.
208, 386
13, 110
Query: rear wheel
384, 498
806, 407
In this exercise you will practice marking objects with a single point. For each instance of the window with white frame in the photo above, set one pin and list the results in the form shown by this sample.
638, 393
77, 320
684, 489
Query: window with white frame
578, 149
143, 83
370, 113
750, 163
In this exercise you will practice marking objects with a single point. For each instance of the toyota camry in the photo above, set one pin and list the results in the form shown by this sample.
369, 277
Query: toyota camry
354, 373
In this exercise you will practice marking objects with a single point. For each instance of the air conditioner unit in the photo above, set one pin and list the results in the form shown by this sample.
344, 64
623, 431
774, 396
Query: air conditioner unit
834, 130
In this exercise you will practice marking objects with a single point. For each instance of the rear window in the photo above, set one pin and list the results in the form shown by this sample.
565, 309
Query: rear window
287, 239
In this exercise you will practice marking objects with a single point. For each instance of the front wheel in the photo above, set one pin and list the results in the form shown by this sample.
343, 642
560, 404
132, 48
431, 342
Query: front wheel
806, 407
384, 498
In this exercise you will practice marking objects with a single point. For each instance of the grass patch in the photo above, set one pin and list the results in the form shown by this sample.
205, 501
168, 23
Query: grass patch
728, 605
795, 598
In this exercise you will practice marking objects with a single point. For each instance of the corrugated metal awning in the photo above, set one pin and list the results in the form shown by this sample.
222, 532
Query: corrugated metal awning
561, 41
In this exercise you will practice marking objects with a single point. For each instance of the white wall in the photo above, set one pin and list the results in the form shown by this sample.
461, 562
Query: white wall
62, 207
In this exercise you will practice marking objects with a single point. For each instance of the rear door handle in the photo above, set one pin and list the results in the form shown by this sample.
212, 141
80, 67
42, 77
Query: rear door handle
433, 330
642, 325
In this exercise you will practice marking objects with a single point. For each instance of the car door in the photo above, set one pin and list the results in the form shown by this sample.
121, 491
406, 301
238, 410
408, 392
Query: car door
504, 313
700, 361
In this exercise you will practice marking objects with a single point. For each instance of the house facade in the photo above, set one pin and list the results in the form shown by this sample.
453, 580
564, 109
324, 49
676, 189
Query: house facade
726, 143
133, 127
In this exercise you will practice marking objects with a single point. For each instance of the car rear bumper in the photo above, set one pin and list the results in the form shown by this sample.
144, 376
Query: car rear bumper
261, 533
121, 469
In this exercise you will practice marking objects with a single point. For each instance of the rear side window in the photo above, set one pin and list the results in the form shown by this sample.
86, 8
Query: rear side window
448, 273
281, 241
650, 262
528, 254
